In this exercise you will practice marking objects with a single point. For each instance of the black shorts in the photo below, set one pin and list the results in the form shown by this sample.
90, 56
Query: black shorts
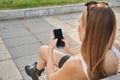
63, 60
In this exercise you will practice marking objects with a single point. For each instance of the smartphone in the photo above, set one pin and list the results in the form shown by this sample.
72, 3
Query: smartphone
58, 35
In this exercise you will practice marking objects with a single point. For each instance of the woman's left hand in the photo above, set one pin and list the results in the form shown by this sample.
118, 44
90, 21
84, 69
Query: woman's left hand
52, 41
67, 46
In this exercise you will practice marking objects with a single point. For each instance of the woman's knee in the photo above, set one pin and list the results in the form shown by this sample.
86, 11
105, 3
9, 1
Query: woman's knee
43, 49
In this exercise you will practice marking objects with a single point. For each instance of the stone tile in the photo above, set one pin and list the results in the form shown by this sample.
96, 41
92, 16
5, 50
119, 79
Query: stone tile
71, 41
45, 41
11, 22
117, 41
14, 34
25, 76
70, 19
43, 28
11, 28
33, 20
74, 15
53, 20
74, 35
116, 10
26, 60
20, 51
43, 35
18, 41
4, 54
65, 27
118, 36
44, 38
60, 24
73, 22
118, 19
40, 27
1, 41
37, 24
64, 17
9, 71
34, 25
11, 32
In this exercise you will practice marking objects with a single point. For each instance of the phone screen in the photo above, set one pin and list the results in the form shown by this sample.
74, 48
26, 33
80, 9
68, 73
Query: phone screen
58, 34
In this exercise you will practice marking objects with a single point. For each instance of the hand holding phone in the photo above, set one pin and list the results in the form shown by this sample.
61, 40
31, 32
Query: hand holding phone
58, 35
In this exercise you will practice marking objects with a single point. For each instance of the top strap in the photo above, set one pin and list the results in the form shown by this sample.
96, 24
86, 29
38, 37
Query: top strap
84, 67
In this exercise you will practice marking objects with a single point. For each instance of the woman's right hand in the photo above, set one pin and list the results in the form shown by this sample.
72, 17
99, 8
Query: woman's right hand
52, 42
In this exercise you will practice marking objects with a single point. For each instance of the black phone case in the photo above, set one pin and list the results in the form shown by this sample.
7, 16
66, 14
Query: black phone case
58, 34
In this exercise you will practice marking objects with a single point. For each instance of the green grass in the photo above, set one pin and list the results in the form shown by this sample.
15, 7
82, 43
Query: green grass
18, 4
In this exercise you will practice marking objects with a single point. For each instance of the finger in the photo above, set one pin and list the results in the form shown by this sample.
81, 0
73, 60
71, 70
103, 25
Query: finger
51, 35
55, 40
64, 40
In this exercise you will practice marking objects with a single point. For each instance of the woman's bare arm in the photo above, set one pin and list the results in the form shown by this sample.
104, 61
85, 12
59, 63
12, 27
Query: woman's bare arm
64, 73
72, 69
72, 51
68, 49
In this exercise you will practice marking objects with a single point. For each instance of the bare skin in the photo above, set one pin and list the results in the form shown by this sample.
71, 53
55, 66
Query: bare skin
72, 69
68, 68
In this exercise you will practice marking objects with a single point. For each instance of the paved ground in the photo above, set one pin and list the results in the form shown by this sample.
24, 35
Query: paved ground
23, 37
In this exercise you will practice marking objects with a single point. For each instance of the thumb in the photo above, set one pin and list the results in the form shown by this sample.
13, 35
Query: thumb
55, 40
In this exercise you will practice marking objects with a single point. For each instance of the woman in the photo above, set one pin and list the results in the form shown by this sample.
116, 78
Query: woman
98, 57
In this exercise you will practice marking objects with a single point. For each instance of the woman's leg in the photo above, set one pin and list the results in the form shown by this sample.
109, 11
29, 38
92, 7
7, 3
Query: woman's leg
38, 68
43, 55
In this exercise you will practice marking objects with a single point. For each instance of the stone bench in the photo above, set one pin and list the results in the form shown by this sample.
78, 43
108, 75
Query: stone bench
114, 77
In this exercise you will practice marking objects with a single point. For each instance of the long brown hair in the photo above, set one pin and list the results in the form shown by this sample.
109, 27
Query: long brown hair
99, 37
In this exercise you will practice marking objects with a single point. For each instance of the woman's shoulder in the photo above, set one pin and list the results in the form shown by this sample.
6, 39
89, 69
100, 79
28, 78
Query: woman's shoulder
74, 60
74, 63
75, 66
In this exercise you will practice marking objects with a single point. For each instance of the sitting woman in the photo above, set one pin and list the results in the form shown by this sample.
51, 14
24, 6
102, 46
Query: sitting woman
98, 57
